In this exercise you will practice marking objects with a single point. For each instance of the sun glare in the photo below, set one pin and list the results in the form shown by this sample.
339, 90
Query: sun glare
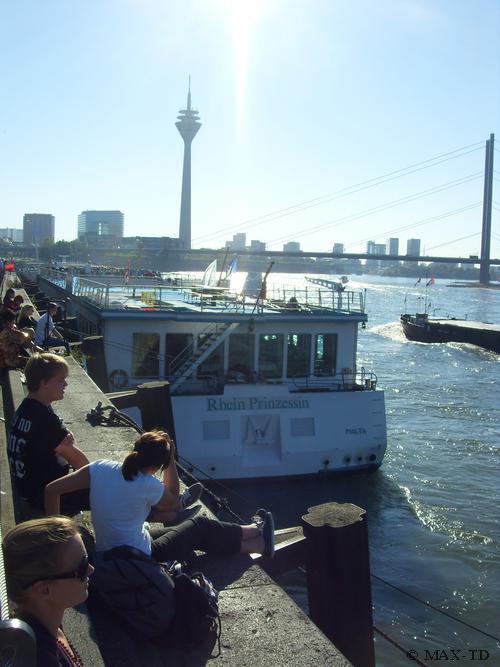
243, 17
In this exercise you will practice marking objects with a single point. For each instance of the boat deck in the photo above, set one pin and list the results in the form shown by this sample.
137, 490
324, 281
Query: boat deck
468, 324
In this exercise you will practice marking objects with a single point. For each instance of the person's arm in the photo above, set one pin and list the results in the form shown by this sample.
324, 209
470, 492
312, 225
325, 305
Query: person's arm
170, 476
75, 481
69, 451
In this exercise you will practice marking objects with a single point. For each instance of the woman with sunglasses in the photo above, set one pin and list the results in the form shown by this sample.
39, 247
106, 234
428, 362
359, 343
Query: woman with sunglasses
47, 571
123, 496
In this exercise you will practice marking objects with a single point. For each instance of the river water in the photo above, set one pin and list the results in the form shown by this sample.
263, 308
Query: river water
432, 506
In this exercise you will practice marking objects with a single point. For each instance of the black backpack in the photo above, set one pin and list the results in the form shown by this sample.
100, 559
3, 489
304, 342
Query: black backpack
154, 602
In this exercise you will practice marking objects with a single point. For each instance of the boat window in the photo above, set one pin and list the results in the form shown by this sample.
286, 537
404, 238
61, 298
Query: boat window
271, 355
177, 350
325, 354
145, 360
299, 355
214, 363
241, 354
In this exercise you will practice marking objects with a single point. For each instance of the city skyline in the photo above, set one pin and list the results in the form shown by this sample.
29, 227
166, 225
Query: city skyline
288, 128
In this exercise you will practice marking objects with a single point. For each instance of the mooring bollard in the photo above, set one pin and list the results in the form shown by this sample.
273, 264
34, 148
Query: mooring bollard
154, 402
338, 578
93, 349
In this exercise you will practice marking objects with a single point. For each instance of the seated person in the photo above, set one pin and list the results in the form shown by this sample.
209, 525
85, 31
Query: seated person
25, 318
47, 571
123, 496
8, 300
40, 447
17, 303
13, 343
46, 332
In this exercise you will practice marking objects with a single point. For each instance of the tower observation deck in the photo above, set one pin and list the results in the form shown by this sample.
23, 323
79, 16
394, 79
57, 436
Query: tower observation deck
188, 124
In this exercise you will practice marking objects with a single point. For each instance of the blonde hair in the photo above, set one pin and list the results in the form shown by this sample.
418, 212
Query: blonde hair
32, 550
42, 368
24, 311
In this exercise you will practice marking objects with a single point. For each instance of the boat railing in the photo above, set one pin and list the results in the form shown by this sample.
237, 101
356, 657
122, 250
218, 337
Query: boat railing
346, 380
109, 294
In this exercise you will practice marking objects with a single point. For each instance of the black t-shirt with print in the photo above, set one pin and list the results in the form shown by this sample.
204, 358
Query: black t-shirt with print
35, 432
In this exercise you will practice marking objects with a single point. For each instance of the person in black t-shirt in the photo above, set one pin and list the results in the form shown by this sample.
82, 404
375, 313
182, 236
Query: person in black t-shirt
40, 447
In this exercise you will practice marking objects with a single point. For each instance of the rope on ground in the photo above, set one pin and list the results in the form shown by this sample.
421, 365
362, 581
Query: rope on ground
401, 648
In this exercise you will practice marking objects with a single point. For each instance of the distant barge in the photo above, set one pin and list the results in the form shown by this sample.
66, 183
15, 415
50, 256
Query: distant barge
421, 328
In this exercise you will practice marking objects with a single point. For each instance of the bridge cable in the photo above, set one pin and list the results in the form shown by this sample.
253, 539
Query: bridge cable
353, 189
383, 207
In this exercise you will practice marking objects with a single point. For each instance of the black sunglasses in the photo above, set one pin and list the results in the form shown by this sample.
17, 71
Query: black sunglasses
79, 573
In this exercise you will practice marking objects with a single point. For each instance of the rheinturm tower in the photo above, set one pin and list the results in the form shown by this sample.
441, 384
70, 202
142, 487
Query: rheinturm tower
188, 124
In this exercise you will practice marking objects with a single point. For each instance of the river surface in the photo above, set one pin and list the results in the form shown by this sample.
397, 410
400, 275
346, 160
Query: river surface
432, 507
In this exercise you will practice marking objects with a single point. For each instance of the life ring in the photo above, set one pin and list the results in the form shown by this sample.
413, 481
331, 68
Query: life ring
118, 379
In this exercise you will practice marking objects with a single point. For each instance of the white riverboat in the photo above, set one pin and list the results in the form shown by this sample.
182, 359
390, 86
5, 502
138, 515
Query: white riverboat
259, 386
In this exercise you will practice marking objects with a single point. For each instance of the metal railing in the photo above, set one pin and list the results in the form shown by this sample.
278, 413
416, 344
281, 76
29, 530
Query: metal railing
109, 294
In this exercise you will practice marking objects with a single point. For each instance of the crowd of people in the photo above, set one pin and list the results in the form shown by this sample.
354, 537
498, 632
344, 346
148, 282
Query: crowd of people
47, 565
22, 334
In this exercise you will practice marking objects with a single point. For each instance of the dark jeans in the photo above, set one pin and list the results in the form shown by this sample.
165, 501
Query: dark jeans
199, 533
71, 503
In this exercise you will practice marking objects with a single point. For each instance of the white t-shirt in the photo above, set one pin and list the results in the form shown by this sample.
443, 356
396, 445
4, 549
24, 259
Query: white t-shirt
42, 330
119, 508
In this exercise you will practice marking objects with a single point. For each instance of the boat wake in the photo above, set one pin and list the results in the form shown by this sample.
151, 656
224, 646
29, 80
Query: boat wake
474, 349
434, 519
390, 330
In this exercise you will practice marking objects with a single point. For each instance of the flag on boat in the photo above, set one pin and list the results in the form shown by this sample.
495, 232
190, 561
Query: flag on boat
431, 281
209, 275
417, 282
232, 266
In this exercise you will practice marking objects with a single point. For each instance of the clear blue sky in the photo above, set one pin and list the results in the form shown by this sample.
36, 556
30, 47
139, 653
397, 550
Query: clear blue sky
299, 99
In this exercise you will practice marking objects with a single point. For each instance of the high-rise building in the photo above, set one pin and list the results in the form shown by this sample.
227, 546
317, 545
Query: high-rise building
338, 249
373, 248
38, 228
257, 246
392, 246
95, 225
11, 234
188, 124
291, 246
238, 243
413, 247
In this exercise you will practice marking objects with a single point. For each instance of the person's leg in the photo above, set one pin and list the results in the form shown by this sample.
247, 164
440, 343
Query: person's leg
200, 533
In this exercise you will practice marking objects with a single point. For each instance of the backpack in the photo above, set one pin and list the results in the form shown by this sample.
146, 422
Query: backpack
136, 588
154, 602
196, 614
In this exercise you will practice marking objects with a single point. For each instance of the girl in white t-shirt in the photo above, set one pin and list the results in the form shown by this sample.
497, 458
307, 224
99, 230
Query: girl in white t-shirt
123, 496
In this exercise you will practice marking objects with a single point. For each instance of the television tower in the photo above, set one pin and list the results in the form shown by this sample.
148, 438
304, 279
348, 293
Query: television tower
188, 124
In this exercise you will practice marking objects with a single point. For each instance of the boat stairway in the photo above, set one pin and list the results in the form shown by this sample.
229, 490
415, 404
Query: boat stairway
190, 359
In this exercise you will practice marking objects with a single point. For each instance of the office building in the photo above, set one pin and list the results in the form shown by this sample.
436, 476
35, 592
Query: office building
94, 225
392, 246
291, 246
38, 228
257, 246
373, 248
413, 247
338, 249
11, 234
238, 243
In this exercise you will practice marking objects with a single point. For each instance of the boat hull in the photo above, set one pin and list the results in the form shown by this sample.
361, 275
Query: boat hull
272, 432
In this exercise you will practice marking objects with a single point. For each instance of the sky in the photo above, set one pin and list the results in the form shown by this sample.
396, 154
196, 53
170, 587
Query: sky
323, 121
